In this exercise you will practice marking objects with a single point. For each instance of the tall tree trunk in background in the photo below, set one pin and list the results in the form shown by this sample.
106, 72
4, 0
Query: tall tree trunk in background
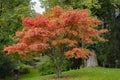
92, 61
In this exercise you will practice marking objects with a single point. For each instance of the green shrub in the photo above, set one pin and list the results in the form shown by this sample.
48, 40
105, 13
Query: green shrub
24, 69
46, 66
29, 61
66, 65
7, 66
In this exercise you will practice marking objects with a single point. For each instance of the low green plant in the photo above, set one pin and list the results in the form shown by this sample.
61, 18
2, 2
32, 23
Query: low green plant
46, 66
24, 69
7, 66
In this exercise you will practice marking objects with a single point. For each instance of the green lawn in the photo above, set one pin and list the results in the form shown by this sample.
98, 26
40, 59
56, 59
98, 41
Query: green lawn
80, 74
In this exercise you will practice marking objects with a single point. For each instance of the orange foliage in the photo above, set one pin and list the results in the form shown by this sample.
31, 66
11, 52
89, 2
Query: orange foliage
57, 28
78, 53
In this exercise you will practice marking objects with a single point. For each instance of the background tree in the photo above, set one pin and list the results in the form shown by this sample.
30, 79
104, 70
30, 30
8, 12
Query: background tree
76, 4
109, 55
60, 32
11, 12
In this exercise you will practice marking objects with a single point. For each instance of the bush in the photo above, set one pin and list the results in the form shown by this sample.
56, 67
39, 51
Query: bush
29, 61
66, 65
7, 65
46, 66
24, 69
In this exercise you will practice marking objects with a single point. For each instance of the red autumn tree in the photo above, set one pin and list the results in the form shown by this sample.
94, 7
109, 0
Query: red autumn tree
60, 32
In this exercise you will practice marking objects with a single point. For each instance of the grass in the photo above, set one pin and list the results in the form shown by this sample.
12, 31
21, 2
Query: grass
97, 73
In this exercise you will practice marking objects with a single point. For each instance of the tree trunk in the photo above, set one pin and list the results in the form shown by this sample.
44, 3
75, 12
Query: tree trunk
58, 71
92, 61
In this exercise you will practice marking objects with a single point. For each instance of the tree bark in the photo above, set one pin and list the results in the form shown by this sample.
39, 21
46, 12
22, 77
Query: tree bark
58, 71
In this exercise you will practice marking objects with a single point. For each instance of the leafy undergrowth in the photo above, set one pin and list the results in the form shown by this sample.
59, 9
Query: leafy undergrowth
80, 74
